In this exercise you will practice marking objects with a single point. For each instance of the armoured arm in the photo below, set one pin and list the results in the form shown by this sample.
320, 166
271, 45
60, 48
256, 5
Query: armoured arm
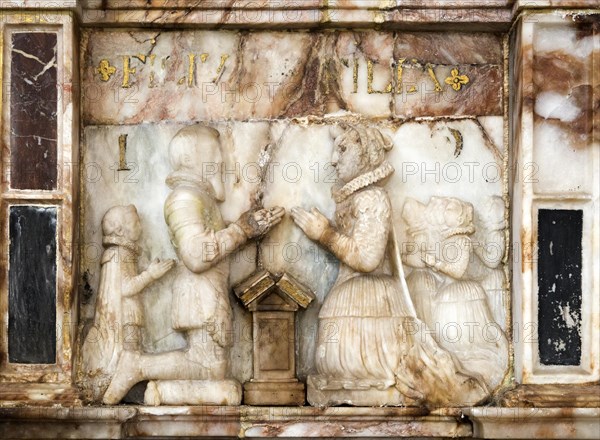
201, 249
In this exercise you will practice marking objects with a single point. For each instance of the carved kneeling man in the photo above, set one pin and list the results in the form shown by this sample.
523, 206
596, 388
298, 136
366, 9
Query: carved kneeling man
119, 317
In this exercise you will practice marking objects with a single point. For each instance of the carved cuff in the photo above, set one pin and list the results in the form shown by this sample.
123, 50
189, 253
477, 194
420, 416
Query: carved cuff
329, 237
146, 277
239, 231
248, 225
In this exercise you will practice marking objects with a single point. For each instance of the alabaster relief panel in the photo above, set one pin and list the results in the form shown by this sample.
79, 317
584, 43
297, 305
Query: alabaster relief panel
397, 226
288, 164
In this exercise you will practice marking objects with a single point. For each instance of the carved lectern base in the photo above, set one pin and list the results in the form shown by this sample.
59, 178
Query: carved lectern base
364, 397
193, 392
274, 393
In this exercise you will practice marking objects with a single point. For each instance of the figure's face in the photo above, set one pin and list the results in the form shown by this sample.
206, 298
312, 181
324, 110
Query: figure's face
453, 214
132, 229
435, 211
347, 156
493, 212
413, 212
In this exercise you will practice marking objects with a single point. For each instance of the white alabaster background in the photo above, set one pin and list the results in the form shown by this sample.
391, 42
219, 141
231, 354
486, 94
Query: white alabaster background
296, 156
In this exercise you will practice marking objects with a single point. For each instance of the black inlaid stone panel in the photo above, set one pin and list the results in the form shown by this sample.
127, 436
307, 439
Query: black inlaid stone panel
32, 285
33, 110
559, 284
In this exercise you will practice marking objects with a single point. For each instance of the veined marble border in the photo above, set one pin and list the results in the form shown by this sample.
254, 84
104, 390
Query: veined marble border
479, 15
290, 422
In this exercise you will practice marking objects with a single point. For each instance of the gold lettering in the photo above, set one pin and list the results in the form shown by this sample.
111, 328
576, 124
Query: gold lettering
105, 70
398, 84
126, 72
438, 87
456, 80
399, 72
122, 151
413, 88
163, 62
370, 89
152, 84
191, 68
220, 69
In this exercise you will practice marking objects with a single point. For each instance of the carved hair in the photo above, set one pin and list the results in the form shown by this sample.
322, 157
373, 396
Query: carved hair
185, 141
374, 144
493, 213
413, 214
115, 218
449, 216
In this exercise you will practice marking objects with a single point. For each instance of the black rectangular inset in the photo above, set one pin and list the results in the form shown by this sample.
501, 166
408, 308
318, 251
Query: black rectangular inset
33, 110
32, 285
559, 285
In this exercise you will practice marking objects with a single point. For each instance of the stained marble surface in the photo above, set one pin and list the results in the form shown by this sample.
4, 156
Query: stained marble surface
554, 93
263, 75
34, 97
554, 134
274, 97
491, 15
46, 115
32, 299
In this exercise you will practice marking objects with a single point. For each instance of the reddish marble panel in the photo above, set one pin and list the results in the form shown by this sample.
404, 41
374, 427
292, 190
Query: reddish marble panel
33, 110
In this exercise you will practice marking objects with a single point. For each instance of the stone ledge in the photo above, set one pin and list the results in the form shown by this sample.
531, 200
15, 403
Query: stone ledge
479, 15
291, 422
241, 421
38, 4
478, 19
546, 423
552, 396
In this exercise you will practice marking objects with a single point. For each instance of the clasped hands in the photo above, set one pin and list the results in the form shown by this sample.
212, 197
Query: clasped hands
313, 222
257, 223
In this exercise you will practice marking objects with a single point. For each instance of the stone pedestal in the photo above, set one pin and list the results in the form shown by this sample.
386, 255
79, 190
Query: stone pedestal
284, 393
342, 396
273, 303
